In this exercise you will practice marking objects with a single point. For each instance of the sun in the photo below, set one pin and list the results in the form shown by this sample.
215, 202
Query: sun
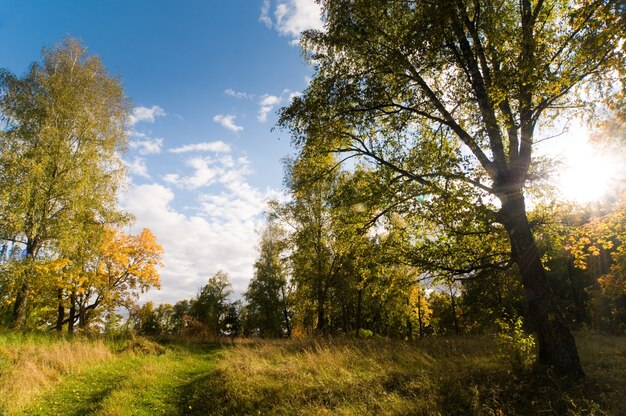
588, 174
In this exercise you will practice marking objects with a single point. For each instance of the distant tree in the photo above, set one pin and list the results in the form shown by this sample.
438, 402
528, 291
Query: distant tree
150, 320
211, 306
181, 315
64, 124
267, 311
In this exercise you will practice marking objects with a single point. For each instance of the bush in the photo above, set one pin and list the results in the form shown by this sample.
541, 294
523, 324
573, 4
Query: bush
514, 344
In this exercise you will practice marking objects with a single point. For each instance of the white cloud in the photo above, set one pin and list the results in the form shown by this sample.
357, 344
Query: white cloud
237, 94
265, 14
138, 167
207, 171
227, 121
147, 147
222, 235
216, 146
266, 104
145, 114
292, 17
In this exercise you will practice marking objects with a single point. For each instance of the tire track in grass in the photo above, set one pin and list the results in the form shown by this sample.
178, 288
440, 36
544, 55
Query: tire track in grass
131, 384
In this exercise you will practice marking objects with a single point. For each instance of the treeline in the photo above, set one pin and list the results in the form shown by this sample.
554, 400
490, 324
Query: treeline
333, 261
64, 260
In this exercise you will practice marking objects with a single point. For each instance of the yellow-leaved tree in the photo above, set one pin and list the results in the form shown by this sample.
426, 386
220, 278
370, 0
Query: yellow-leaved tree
600, 246
123, 267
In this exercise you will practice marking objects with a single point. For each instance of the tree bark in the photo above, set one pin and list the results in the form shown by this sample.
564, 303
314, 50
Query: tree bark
18, 317
419, 314
557, 347
72, 317
60, 312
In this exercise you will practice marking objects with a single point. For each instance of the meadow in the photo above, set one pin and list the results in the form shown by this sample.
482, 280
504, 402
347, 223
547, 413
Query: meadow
43, 374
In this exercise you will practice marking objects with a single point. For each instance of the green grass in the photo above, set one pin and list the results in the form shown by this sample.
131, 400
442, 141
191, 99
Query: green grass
445, 376
137, 384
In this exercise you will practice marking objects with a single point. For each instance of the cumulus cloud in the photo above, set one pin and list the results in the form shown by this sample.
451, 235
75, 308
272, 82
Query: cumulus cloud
138, 167
217, 146
206, 171
292, 17
266, 105
221, 235
147, 146
227, 121
145, 114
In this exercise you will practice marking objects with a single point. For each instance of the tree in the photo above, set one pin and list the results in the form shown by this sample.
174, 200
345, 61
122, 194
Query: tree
211, 306
267, 311
64, 125
603, 241
449, 95
126, 266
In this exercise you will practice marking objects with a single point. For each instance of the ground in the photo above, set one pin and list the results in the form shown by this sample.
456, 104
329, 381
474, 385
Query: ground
44, 375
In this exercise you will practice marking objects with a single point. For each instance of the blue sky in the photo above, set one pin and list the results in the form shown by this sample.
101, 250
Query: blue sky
206, 79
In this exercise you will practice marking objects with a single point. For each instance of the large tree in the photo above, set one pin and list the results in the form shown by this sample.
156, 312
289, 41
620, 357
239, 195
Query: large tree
63, 128
449, 94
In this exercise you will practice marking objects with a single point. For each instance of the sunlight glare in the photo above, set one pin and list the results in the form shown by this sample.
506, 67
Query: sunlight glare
588, 174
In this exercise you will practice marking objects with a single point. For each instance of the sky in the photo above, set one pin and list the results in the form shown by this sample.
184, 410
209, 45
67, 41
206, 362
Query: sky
205, 79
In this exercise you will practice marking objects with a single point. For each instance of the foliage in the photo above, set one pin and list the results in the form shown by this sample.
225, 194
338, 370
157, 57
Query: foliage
63, 129
267, 310
445, 98
514, 344
211, 306
600, 246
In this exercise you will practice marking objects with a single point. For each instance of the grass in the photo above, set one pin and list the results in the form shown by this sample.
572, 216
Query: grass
438, 376
43, 375
46, 375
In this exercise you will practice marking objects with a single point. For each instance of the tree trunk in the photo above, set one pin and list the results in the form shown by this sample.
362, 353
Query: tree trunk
60, 312
18, 317
72, 317
359, 312
557, 347
419, 314
453, 309
321, 318
286, 312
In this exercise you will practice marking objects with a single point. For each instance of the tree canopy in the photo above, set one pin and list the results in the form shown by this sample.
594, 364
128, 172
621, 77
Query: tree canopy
449, 95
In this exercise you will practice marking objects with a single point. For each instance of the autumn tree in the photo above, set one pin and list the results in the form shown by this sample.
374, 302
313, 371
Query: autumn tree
600, 245
124, 267
450, 95
63, 128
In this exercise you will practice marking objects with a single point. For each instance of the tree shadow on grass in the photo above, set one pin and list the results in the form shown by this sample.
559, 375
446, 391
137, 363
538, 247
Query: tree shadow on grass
81, 403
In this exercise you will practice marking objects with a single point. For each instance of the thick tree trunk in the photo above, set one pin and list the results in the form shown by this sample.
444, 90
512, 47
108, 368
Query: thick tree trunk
557, 347
18, 317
